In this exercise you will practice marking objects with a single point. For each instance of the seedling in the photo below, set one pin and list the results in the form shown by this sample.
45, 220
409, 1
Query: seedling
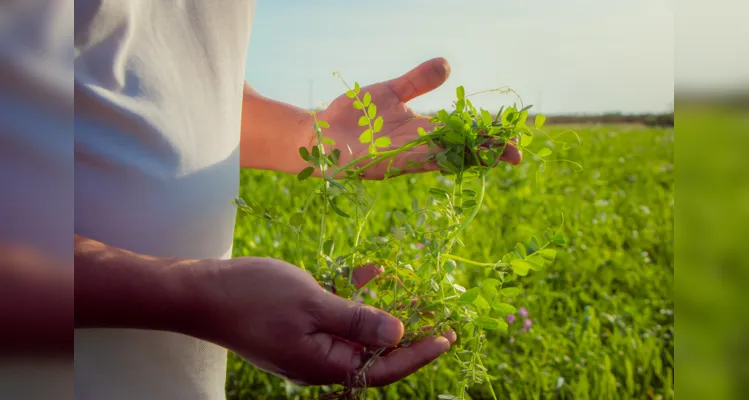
419, 285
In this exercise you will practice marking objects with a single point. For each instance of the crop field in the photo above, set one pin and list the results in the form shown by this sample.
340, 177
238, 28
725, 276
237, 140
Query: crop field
597, 323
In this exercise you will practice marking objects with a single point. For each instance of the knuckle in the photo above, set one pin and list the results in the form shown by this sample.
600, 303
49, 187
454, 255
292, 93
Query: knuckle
356, 324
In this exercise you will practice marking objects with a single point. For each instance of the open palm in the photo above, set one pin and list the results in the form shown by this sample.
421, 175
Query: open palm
400, 121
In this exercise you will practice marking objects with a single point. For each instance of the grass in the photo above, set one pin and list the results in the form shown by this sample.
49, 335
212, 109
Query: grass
603, 322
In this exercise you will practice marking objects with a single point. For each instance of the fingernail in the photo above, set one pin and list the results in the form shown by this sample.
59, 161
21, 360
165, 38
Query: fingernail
443, 344
389, 331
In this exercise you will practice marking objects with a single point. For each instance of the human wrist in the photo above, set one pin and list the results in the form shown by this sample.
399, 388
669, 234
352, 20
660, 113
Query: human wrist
272, 132
115, 288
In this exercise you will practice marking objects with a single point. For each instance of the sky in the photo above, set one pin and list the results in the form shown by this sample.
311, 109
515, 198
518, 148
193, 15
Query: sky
571, 56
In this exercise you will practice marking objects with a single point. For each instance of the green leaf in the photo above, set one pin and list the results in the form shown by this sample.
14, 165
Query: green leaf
469, 204
521, 267
520, 249
399, 234
547, 254
481, 303
421, 131
367, 99
328, 141
468, 193
378, 124
489, 291
296, 219
350, 94
327, 247
508, 115
526, 139
343, 287
358, 105
540, 120
499, 114
323, 124
535, 262
434, 285
337, 210
490, 323
304, 153
366, 136
545, 152
504, 308
372, 111
490, 282
335, 156
363, 120
559, 239
460, 105
487, 157
452, 137
510, 291
486, 117
357, 88
399, 215
305, 173
469, 296
420, 220
461, 92
443, 116
533, 245
439, 194
414, 318
382, 141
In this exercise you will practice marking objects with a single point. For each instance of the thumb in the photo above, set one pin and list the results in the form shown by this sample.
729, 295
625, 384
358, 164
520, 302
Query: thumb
358, 323
426, 77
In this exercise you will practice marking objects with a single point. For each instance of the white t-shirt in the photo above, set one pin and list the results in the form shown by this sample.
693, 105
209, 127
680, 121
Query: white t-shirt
158, 92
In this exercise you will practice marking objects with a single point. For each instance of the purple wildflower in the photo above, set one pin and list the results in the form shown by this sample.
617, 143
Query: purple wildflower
358, 299
420, 245
365, 290
512, 339
523, 312
527, 323
373, 294
511, 318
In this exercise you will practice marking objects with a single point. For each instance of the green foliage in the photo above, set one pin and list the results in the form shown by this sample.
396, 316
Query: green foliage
429, 249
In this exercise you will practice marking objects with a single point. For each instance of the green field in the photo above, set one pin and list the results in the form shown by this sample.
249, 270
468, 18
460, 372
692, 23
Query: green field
603, 322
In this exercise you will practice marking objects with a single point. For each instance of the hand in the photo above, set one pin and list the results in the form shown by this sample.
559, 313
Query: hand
401, 122
277, 317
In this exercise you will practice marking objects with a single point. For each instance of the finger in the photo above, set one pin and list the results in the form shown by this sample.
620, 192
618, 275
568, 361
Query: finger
356, 322
511, 154
365, 273
449, 334
405, 361
426, 77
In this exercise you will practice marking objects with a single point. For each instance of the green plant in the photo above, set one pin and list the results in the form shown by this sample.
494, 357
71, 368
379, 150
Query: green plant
419, 286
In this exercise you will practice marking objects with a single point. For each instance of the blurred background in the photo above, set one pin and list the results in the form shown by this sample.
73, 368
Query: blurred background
570, 57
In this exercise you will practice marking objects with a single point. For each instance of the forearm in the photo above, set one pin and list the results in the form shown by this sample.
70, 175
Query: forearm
115, 288
36, 303
272, 133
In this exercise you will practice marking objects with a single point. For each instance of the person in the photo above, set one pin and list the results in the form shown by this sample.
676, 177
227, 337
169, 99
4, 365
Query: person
164, 121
